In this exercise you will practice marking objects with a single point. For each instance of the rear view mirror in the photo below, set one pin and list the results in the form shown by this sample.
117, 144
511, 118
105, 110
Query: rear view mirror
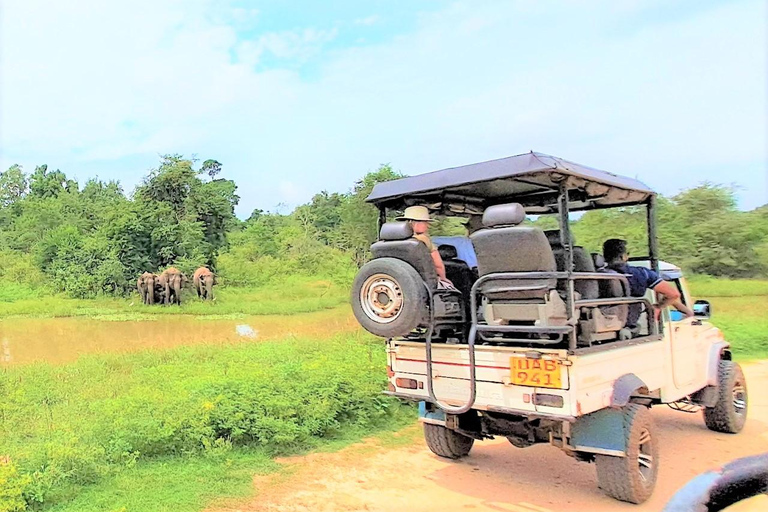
702, 309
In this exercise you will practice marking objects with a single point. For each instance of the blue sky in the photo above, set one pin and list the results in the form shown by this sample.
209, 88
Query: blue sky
297, 97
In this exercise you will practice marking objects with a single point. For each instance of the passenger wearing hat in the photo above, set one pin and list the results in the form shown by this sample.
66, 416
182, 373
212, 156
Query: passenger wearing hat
418, 218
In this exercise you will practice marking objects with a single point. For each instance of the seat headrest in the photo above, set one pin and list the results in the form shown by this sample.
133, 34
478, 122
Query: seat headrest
447, 252
599, 260
553, 237
391, 231
510, 214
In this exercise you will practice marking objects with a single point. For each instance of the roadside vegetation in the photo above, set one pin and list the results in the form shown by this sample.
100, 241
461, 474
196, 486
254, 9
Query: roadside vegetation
112, 420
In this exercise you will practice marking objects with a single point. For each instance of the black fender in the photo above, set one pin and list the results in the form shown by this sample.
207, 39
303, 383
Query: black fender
624, 387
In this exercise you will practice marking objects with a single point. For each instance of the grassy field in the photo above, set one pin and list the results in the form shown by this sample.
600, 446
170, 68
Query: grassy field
154, 430
294, 295
740, 310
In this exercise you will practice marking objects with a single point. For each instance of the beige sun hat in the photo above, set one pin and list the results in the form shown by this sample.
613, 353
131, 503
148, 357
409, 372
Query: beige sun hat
416, 213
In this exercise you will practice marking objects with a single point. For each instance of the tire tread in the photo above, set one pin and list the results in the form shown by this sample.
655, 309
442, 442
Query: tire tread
614, 474
447, 443
722, 417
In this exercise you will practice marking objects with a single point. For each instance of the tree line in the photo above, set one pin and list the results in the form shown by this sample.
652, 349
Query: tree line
56, 235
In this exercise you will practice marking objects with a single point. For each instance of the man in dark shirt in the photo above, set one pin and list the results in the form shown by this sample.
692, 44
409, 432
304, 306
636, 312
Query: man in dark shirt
641, 279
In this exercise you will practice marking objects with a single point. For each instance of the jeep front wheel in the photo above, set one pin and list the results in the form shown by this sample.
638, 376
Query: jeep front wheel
447, 443
730, 412
389, 297
632, 477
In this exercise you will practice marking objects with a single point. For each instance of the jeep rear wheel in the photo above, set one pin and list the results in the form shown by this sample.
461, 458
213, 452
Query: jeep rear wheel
730, 412
633, 477
388, 297
447, 443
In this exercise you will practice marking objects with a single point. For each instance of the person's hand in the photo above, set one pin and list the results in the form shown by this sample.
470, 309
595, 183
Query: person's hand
447, 281
656, 312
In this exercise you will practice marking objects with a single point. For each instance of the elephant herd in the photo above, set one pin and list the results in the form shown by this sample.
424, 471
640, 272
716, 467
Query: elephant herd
166, 287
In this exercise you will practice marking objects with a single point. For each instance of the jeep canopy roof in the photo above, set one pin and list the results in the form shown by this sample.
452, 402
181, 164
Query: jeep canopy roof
532, 179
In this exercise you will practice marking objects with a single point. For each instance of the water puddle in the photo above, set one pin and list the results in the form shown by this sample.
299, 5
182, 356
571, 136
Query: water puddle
61, 340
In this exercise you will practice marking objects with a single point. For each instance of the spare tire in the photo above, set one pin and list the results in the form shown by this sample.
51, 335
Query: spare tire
389, 297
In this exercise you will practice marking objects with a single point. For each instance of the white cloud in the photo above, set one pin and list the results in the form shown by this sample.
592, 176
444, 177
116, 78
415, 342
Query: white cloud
368, 20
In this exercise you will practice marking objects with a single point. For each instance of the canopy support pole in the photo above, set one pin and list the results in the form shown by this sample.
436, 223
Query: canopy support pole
382, 219
653, 250
565, 241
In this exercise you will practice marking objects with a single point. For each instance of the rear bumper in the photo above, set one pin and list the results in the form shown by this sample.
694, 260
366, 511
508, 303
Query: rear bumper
489, 408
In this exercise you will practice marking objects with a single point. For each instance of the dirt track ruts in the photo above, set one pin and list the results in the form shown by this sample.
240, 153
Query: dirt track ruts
498, 477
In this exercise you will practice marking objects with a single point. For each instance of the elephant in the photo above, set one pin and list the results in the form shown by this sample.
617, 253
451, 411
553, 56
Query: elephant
171, 282
160, 283
146, 285
204, 280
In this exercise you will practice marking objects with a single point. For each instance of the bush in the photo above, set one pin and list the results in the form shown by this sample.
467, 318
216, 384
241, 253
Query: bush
71, 425
13, 487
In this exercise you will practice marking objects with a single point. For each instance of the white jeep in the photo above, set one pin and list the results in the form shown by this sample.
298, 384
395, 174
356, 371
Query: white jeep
534, 345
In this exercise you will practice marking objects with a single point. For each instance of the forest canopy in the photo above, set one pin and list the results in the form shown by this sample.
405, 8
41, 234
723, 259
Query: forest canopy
91, 239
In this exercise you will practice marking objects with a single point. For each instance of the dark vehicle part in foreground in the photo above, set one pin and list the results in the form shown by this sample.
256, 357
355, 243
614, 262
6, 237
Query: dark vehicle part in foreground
716, 490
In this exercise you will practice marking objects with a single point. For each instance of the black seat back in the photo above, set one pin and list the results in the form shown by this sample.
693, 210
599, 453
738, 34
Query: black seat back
457, 271
582, 262
396, 241
505, 246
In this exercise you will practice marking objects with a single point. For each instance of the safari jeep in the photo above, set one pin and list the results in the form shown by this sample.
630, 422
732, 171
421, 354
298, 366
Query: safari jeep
533, 343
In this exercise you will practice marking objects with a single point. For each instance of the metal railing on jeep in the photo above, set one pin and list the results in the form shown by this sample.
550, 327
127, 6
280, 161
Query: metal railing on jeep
560, 331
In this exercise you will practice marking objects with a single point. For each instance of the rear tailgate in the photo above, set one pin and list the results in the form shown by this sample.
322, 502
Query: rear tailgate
495, 386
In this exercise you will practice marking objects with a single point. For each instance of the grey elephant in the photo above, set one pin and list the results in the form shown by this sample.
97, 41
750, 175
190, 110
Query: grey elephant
204, 280
171, 282
159, 294
146, 286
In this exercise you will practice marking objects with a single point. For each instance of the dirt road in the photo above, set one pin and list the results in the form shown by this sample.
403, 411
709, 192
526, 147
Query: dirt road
375, 476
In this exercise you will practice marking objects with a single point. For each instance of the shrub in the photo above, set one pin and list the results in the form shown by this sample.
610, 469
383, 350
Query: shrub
13, 487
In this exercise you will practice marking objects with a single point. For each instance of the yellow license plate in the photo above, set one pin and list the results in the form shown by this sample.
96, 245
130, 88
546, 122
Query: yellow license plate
542, 373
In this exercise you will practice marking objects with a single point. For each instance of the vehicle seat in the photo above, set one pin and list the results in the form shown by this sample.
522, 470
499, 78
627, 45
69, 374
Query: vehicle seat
457, 271
503, 245
582, 262
599, 262
396, 241
606, 322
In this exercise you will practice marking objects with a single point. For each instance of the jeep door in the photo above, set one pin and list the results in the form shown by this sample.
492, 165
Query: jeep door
689, 347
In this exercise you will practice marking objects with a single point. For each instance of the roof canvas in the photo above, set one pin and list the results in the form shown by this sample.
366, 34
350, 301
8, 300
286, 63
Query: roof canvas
531, 179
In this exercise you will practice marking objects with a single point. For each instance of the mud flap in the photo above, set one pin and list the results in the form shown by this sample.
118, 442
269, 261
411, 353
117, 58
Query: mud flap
431, 414
601, 432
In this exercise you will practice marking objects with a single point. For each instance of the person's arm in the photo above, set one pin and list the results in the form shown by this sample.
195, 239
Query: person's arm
670, 296
439, 266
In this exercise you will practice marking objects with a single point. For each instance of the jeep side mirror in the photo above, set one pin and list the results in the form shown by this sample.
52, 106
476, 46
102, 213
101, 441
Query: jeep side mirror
702, 309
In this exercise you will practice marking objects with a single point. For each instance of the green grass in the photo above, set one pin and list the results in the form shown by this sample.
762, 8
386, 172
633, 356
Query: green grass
170, 430
707, 286
294, 295
740, 310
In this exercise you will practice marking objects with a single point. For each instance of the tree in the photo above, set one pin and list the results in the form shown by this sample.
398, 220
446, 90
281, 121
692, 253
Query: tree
211, 167
13, 186
43, 183
359, 220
